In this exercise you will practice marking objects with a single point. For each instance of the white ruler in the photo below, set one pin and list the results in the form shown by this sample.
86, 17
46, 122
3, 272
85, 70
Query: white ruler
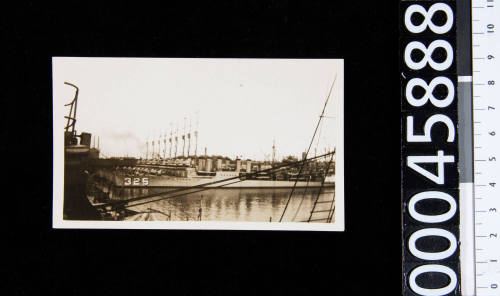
486, 116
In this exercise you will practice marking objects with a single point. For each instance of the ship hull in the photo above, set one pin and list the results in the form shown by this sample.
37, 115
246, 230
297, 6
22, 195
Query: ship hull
175, 182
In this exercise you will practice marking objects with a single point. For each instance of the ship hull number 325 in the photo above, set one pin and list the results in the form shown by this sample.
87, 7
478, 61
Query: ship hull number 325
135, 181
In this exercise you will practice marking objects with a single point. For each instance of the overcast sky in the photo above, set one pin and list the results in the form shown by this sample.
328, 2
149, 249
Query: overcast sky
243, 104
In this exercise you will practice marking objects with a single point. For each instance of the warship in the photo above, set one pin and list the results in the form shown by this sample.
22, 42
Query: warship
216, 171
252, 176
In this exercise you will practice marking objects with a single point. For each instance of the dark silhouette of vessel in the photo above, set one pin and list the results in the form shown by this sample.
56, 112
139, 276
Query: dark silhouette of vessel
77, 153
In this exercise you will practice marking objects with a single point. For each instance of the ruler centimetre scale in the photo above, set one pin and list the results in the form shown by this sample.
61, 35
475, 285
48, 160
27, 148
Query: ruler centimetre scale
486, 116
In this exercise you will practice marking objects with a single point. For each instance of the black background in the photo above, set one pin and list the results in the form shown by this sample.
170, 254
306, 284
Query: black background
363, 260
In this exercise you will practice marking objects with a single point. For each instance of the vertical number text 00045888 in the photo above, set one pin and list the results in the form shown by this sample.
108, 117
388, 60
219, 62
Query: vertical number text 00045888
430, 262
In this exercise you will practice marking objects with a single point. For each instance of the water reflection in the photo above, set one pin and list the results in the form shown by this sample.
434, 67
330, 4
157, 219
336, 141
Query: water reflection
231, 204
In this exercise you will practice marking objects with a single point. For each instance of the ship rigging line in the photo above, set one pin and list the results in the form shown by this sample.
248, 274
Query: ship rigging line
320, 189
332, 210
319, 192
309, 148
307, 185
302, 199
203, 186
180, 194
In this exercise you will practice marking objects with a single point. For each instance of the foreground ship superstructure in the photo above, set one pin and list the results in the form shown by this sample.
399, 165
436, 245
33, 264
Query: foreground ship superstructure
77, 154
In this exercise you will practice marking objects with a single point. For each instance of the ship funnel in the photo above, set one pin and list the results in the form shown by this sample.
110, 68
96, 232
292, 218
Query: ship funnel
249, 166
201, 164
208, 166
85, 139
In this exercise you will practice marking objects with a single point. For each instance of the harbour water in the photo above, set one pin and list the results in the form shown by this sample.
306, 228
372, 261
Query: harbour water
250, 205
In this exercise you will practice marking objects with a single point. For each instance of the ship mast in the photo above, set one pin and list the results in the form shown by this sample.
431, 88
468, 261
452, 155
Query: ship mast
153, 148
164, 144
159, 146
189, 137
147, 148
176, 139
196, 135
170, 141
184, 138
274, 151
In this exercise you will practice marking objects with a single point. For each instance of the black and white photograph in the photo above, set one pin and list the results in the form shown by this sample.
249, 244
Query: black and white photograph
191, 143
